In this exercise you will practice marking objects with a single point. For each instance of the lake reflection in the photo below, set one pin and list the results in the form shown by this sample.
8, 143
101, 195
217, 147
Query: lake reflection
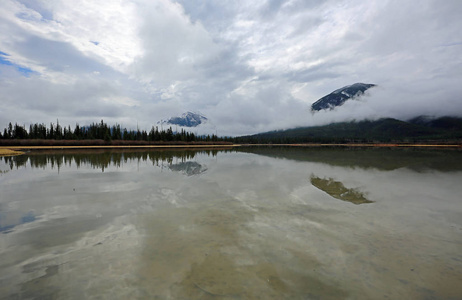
256, 223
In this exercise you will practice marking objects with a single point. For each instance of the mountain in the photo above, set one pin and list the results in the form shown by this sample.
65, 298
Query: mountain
188, 119
382, 130
445, 123
338, 97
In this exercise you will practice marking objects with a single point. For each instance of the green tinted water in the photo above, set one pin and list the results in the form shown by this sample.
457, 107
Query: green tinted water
259, 223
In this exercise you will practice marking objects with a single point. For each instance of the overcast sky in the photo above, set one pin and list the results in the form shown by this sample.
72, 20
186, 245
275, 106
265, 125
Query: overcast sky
249, 66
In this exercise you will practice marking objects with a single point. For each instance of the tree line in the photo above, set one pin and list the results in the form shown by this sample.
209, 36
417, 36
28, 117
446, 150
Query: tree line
101, 131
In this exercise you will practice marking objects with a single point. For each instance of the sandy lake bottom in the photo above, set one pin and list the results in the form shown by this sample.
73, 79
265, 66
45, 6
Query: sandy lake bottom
257, 223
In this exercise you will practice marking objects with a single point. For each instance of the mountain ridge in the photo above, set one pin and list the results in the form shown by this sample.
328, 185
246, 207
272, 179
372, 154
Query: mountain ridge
340, 96
381, 130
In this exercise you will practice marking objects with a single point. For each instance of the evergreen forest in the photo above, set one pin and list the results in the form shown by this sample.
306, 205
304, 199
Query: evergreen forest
98, 133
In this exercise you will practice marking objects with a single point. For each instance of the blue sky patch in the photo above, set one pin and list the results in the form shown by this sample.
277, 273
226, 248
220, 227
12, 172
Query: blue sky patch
5, 61
46, 14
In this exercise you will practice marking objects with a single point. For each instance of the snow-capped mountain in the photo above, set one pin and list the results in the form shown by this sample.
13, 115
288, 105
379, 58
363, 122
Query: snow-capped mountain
338, 97
189, 119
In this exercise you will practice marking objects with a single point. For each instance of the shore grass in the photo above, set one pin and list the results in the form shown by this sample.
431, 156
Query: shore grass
18, 150
376, 145
9, 152
14, 148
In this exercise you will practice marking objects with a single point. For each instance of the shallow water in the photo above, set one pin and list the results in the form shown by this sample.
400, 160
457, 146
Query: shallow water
257, 223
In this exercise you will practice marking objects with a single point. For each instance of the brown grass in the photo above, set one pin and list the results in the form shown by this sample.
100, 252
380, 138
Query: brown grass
376, 145
9, 152
16, 149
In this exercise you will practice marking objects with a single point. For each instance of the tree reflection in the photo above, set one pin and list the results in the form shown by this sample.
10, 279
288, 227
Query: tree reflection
175, 160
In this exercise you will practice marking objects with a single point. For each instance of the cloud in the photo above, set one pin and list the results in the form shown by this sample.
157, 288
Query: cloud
248, 66
86, 99
259, 106
174, 47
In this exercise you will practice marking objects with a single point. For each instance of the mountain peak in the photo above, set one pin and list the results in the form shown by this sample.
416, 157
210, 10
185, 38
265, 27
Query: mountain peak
338, 97
188, 119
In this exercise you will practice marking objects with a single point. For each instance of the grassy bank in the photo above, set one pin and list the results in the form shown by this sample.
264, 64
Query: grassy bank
18, 150
9, 152
376, 145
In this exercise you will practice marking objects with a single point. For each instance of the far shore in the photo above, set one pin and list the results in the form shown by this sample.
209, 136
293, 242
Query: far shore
18, 150
383, 145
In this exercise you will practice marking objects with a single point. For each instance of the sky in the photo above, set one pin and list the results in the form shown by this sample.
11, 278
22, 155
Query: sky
248, 66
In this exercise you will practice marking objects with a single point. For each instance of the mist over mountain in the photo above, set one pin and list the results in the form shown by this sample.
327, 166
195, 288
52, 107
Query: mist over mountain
338, 97
358, 121
444, 123
419, 129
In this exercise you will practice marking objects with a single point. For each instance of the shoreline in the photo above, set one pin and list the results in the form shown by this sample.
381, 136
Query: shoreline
18, 150
6, 151
377, 145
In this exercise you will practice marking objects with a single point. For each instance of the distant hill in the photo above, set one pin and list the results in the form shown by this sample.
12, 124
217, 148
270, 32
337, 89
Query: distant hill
189, 119
338, 97
382, 130
445, 123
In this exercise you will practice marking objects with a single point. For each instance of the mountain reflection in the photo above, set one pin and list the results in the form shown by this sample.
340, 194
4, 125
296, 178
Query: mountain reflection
385, 159
175, 160
337, 190
188, 168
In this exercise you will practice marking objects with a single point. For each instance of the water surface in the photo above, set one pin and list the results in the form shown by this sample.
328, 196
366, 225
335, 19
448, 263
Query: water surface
258, 223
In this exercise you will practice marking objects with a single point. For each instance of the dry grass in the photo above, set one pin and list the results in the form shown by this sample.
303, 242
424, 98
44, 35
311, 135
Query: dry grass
16, 149
186, 146
9, 152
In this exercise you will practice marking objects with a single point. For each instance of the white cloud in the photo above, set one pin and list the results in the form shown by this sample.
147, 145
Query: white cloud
174, 47
248, 66
103, 29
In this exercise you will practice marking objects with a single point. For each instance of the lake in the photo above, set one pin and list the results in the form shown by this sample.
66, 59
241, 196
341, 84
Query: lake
247, 223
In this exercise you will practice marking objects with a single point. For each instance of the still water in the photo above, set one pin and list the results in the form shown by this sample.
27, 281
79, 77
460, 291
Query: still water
257, 223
